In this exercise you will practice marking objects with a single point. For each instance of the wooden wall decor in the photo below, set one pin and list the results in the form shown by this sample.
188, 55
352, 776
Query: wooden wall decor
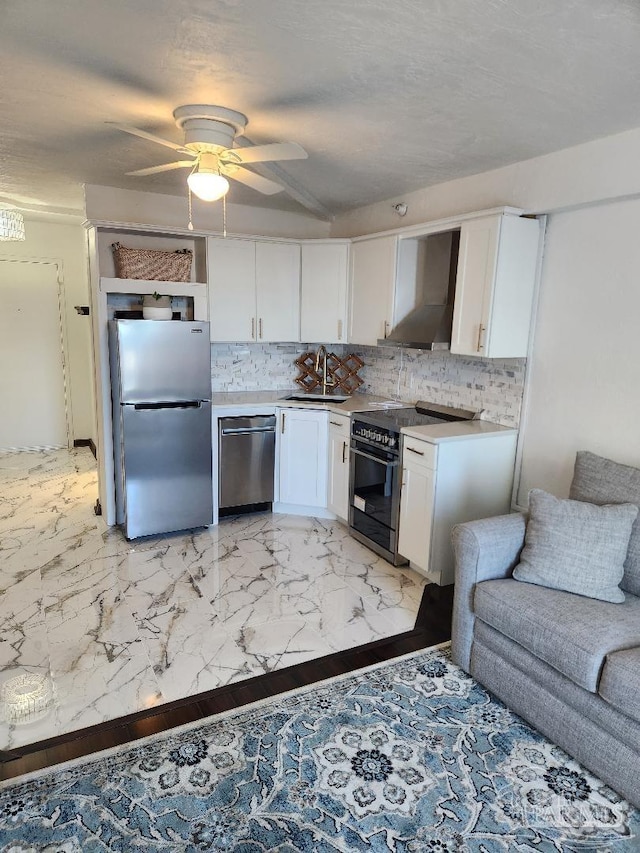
342, 371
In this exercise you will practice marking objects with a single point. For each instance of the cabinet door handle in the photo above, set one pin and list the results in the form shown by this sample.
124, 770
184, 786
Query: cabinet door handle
417, 452
339, 330
282, 430
481, 330
253, 328
260, 327
344, 452
335, 423
386, 328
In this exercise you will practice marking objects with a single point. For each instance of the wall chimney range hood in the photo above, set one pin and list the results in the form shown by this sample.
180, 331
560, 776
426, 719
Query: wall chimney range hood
424, 293
428, 327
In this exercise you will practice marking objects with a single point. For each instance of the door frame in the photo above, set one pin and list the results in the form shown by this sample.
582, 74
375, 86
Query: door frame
64, 341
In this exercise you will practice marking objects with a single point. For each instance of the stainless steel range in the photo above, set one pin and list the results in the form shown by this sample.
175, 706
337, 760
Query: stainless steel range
374, 483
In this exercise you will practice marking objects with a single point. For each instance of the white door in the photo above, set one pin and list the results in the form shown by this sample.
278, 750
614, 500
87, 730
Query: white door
232, 289
303, 457
278, 291
32, 385
338, 486
323, 292
474, 285
373, 273
416, 514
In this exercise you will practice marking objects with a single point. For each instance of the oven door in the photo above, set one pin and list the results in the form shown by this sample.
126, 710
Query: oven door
374, 497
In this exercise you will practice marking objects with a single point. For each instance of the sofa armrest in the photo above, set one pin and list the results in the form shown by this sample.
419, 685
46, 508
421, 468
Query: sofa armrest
484, 550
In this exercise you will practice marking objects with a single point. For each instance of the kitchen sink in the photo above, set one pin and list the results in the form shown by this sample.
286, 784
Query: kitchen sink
316, 398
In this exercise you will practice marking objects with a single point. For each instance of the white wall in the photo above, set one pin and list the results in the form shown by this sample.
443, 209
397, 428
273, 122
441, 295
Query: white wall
46, 240
584, 388
166, 211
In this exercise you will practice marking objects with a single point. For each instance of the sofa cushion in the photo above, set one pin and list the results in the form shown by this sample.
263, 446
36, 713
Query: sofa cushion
571, 633
603, 481
575, 546
620, 682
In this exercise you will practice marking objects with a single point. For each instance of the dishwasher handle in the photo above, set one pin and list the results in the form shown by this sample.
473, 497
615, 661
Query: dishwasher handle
246, 425
246, 430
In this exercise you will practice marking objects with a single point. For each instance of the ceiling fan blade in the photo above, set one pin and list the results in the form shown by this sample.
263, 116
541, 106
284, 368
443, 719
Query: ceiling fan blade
135, 131
166, 167
256, 182
264, 153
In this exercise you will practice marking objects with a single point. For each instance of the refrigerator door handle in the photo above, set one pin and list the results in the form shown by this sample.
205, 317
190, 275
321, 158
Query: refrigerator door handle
184, 404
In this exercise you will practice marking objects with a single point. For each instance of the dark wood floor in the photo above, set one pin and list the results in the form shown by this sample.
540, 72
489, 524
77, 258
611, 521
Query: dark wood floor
433, 625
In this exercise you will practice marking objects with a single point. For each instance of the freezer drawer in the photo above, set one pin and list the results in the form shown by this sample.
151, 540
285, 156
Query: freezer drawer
161, 361
166, 460
247, 457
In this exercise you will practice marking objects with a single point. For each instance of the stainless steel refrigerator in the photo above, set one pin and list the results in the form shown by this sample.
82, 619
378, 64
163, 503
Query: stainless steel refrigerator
161, 392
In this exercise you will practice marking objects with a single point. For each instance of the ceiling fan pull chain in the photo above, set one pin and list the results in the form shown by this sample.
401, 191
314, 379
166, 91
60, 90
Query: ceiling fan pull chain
224, 216
190, 225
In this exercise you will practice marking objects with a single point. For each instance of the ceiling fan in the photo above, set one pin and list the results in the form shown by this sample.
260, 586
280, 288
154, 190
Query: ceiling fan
209, 135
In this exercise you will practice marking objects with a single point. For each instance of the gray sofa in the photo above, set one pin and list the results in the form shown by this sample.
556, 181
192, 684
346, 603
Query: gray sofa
568, 664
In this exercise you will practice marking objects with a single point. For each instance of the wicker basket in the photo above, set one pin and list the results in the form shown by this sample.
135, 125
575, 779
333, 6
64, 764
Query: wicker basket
151, 264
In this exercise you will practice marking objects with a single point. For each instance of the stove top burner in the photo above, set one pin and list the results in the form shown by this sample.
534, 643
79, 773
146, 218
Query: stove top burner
398, 418
420, 415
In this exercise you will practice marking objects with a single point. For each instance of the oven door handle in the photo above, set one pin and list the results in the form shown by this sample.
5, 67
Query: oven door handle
391, 462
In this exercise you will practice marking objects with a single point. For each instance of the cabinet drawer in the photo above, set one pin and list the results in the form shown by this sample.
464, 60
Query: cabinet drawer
418, 452
339, 424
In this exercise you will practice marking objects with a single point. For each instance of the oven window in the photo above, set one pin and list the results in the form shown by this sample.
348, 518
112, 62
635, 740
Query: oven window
373, 483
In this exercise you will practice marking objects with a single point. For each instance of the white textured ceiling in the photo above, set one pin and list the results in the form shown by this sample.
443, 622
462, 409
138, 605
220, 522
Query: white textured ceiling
387, 96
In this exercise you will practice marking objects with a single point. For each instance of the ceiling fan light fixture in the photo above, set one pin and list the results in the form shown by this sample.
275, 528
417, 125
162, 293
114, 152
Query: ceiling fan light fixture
208, 186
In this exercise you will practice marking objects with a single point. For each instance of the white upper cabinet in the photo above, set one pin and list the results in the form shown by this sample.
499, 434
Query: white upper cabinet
232, 289
278, 291
254, 290
373, 272
494, 286
323, 292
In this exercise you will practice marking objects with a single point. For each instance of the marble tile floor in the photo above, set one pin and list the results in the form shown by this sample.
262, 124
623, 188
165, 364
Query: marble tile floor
123, 626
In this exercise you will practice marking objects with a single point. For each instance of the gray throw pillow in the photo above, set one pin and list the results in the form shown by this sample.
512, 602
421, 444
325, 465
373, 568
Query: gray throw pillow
603, 481
576, 546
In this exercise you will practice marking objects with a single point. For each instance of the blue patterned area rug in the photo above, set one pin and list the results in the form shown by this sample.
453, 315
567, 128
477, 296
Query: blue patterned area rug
410, 755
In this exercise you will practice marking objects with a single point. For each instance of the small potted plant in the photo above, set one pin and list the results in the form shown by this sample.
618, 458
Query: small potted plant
156, 307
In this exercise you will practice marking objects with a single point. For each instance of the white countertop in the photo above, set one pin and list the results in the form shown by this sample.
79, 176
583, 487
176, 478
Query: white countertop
433, 433
455, 430
248, 399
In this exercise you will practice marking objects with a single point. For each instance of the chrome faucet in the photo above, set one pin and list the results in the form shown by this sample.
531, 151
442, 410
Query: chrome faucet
322, 354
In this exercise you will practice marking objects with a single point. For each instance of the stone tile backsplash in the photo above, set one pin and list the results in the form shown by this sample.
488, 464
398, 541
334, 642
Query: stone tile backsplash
256, 367
494, 386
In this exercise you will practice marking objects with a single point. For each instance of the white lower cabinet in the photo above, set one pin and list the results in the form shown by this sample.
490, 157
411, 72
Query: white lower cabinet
302, 458
416, 506
338, 467
445, 483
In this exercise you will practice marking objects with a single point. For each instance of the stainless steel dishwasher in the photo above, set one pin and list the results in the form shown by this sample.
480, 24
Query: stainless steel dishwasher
246, 453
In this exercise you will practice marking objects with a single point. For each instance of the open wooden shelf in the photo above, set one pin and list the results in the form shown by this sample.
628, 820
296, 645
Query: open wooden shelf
145, 287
